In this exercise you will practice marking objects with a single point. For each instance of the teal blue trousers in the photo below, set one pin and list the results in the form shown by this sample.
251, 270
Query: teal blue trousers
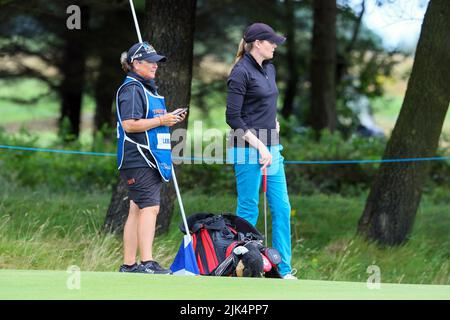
248, 181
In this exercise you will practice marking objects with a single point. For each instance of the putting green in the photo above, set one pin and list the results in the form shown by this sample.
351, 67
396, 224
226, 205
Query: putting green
43, 284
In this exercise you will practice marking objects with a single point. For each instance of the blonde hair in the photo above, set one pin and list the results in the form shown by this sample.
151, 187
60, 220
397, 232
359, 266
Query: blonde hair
243, 48
123, 61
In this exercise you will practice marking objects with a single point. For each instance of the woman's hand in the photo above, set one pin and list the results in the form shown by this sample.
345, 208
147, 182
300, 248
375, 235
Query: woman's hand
170, 119
265, 157
182, 116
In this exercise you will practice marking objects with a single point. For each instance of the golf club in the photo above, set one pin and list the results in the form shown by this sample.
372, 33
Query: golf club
265, 204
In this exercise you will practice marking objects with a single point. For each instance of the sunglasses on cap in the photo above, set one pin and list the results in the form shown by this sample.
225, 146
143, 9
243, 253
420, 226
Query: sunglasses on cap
147, 47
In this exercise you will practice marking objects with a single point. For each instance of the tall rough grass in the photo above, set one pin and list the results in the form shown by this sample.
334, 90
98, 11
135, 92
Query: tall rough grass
46, 230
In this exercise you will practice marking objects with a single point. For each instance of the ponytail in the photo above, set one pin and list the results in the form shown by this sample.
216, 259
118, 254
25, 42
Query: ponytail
243, 48
123, 61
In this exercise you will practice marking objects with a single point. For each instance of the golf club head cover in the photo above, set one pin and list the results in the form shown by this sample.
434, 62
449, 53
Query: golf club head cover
272, 255
251, 261
267, 265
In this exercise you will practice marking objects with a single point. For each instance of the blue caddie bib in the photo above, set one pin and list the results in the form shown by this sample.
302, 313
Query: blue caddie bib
158, 139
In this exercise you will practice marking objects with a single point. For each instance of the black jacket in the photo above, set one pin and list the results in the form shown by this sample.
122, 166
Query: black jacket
252, 100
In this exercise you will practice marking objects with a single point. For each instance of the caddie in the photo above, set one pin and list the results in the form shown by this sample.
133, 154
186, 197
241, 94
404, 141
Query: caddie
143, 153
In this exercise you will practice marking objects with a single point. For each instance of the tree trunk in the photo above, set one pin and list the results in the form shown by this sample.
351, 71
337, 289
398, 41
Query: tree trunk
105, 89
104, 97
170, 29
174, 38
109, 77
118, 209
72, 85
291, 86
394, 198
323, 66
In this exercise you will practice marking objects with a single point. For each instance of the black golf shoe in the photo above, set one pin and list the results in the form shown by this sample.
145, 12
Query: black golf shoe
132, 268
153, 267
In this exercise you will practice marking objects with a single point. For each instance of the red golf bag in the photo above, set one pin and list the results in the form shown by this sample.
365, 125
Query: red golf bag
227, 245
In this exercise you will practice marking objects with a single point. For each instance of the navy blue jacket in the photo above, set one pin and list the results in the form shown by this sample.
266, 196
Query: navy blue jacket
252, 100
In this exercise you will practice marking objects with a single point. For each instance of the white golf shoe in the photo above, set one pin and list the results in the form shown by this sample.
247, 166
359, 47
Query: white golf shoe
291, 275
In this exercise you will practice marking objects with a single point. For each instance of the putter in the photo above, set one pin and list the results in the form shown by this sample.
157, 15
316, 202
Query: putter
265, 203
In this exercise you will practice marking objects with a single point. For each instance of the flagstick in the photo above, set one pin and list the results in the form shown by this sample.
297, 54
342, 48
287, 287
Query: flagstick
188, 234
138, 31
180, 203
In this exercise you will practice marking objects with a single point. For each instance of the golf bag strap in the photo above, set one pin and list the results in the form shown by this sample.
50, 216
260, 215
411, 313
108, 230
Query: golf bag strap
232, 229
200, 265
211, 257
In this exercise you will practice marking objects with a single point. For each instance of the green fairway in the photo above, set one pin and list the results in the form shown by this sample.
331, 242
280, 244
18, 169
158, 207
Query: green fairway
36, 284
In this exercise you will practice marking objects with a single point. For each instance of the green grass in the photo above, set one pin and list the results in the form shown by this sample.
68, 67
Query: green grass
26, 284
40, 230
387, 106
26, 89
387, 109
51, 231
41, 117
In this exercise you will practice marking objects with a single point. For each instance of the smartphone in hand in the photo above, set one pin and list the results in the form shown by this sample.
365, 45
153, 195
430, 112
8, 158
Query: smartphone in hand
179, 111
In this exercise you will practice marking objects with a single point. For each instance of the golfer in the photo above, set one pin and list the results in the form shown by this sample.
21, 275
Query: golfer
143, 153
251, 113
